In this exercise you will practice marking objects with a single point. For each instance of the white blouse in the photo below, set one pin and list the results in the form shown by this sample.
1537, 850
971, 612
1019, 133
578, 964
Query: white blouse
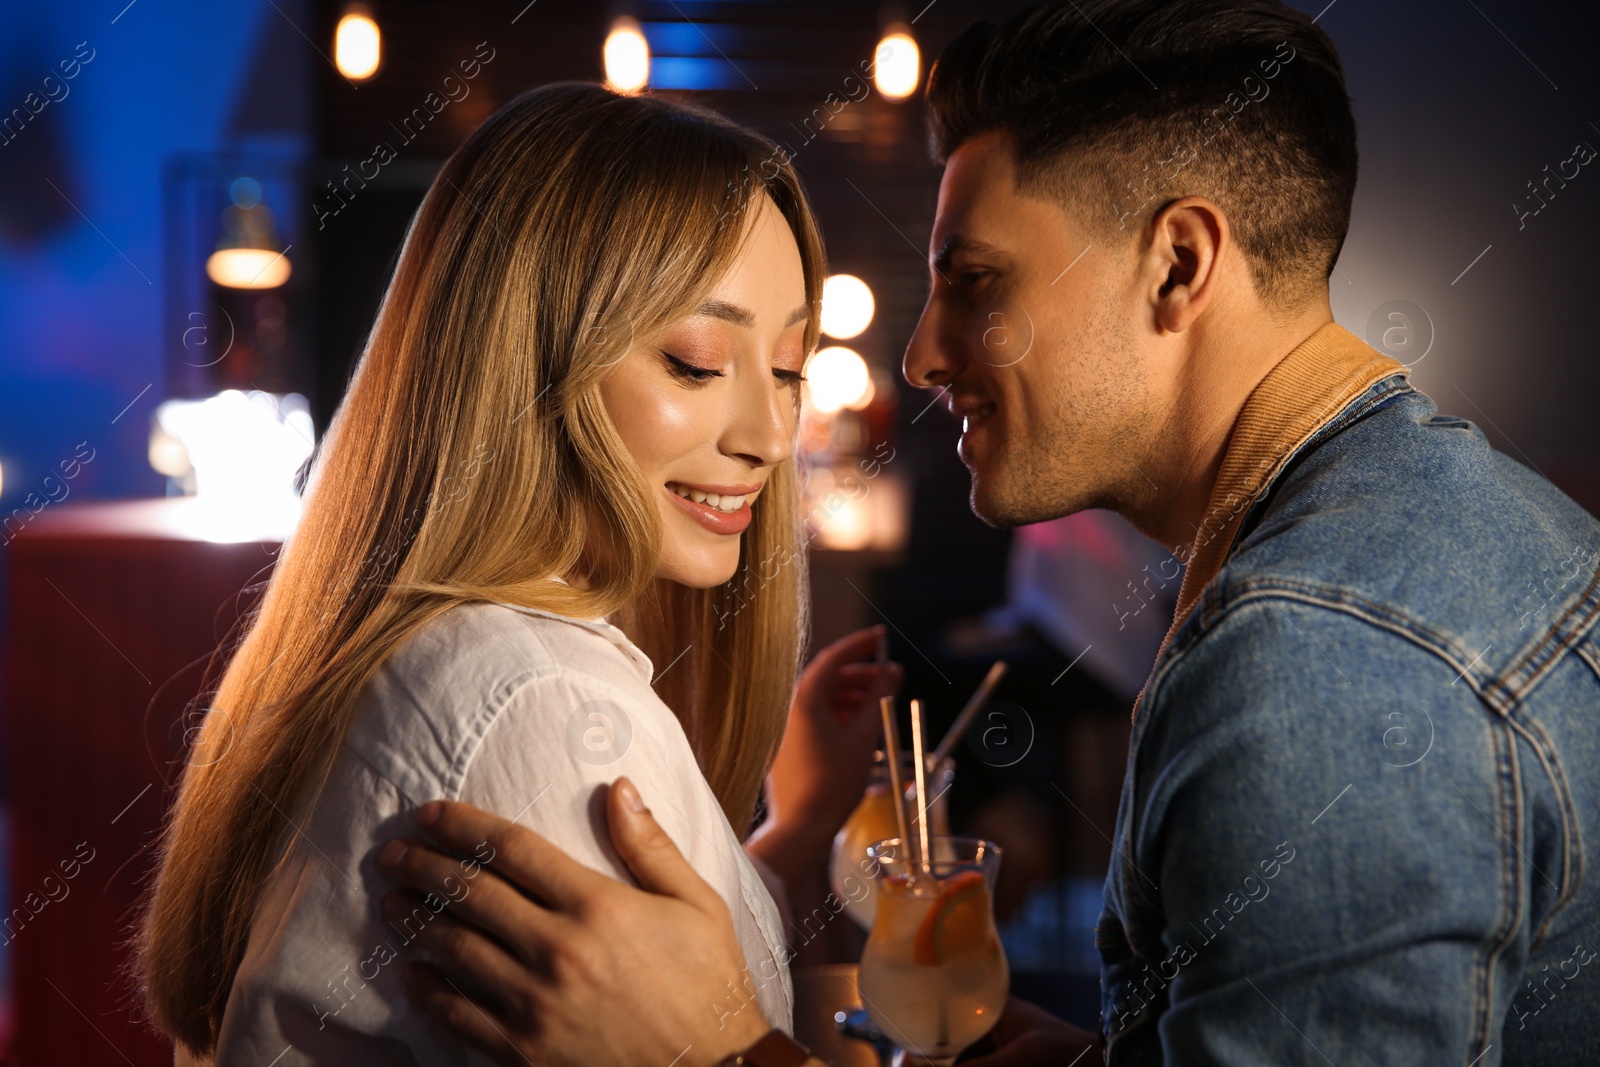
523, 713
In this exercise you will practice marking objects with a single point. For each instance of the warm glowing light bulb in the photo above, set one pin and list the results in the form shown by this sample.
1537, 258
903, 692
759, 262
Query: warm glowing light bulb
357, 45
248, 268
837, 378
847, 305
627, 56
897, 65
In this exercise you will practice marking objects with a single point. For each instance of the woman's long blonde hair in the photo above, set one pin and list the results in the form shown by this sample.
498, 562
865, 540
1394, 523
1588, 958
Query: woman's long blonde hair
472, 460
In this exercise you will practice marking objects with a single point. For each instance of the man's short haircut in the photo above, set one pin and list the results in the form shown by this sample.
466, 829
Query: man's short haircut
1116, 108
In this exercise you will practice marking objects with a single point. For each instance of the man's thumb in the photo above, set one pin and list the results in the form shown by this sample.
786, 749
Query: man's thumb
647, 850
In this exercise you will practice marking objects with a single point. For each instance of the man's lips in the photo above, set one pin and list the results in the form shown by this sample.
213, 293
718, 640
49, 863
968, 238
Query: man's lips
976, 417
969, 406
973, 411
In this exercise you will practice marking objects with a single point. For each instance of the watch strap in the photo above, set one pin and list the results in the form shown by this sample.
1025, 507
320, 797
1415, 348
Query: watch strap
776, 1049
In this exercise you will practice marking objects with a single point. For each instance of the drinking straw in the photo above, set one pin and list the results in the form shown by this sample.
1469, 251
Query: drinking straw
943, 1007
925, 853
958, 729
897, 787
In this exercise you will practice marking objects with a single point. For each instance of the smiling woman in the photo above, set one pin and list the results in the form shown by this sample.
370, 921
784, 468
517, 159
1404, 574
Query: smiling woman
575, 322
708, 409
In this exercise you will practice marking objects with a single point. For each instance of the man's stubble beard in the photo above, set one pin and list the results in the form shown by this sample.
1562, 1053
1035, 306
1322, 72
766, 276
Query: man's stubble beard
1028, 482
1070, 463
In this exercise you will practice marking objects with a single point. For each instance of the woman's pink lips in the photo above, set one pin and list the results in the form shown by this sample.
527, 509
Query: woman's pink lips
729, 523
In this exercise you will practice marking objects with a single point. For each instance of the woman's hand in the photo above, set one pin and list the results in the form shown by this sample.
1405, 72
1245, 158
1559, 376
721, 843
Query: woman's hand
825, 760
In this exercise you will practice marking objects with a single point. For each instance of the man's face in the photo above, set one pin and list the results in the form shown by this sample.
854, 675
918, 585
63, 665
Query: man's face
1037, 333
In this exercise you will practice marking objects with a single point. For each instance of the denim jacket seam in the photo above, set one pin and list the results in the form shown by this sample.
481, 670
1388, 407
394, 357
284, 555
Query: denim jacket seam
1589, 656
1543, 654
1342, 600
1571, 844
1218, 600
1510, 812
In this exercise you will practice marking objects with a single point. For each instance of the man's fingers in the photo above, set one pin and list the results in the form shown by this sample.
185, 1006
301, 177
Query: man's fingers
437, 997
515, 852
471, 892
469, 957
649, 853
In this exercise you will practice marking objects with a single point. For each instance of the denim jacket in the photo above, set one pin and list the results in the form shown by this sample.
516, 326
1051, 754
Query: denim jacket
1360, 818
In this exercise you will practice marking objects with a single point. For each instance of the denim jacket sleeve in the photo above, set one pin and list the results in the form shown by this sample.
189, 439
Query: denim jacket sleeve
1318, 813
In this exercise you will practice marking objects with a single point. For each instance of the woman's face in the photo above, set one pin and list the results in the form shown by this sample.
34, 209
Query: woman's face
707, 407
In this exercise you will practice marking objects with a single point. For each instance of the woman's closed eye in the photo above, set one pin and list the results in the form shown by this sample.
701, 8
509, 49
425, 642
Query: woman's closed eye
691, 372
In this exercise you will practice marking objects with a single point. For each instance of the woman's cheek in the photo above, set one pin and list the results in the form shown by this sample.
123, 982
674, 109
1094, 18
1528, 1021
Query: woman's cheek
655, 420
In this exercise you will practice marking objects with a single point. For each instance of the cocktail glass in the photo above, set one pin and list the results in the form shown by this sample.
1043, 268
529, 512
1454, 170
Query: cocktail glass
933, 975
850, 871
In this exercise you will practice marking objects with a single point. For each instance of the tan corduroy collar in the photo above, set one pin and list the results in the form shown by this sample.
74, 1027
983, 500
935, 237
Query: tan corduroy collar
1309, 387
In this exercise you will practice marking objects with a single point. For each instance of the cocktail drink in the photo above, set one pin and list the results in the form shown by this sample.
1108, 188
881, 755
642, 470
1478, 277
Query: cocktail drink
849, 868
933, 975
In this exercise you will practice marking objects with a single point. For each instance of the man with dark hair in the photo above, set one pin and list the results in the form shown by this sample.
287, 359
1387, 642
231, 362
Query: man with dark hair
1362, 772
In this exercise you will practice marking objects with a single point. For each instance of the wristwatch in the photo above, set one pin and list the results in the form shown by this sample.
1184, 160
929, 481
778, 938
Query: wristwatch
776, 1049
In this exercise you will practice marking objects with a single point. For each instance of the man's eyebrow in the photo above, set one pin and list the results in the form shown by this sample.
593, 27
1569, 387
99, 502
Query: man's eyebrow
741, 316
959, 243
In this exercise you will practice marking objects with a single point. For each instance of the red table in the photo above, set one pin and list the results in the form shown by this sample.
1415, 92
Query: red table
113, 611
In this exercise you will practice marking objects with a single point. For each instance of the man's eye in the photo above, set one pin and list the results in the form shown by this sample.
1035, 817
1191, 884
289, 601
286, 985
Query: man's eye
971, 278
688, 371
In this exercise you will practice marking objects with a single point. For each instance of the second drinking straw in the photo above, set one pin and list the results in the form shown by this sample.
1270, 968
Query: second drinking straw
970, 712
925, 853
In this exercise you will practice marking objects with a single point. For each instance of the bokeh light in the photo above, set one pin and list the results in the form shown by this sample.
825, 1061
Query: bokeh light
897, 65
837, 378
357, 44
627, 57
847, 306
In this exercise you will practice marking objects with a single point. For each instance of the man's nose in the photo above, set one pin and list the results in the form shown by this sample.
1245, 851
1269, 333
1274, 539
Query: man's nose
931, 359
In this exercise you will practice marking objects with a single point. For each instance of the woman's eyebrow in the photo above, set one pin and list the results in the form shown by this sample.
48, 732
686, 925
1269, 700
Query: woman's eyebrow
741, 316
721, 309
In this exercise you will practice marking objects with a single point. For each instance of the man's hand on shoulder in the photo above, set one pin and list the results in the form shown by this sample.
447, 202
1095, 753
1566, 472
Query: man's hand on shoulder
543, 960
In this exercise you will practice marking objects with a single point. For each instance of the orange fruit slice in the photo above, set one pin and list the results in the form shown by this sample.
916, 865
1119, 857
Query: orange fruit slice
957, 923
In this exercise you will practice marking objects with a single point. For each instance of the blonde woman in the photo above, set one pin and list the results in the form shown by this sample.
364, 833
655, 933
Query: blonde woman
551, 538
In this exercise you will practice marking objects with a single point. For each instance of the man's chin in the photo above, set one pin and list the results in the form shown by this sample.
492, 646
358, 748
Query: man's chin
995, 506
1004, 503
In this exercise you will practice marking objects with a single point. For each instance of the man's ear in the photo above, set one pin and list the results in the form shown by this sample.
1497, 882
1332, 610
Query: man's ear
1188, 240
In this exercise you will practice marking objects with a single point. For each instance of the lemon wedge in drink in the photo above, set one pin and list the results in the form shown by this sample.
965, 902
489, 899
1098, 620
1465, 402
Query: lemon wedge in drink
957, 923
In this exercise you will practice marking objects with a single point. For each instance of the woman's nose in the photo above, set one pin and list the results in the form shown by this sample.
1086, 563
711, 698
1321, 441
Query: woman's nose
761, 429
